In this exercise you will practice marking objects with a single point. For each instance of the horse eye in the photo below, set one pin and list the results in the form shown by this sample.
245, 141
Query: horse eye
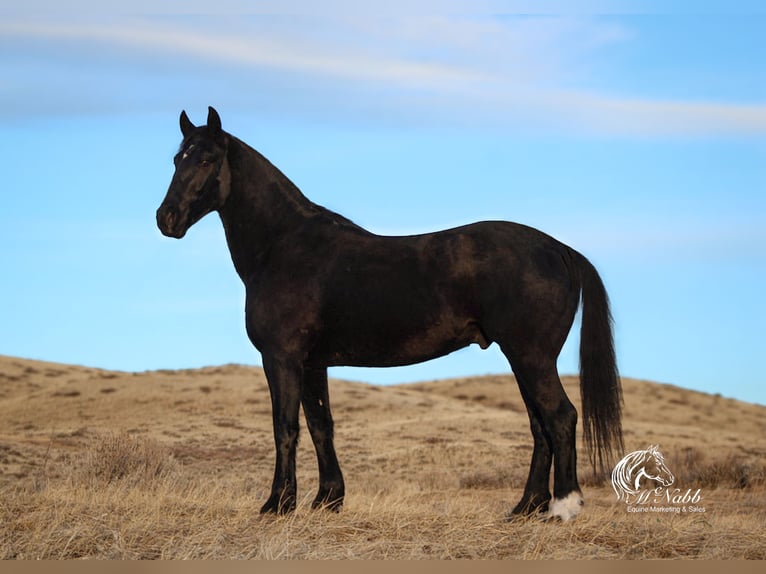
204, 163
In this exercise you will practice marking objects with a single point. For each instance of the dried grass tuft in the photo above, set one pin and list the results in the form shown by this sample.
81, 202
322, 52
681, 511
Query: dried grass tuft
692, 466
129, 460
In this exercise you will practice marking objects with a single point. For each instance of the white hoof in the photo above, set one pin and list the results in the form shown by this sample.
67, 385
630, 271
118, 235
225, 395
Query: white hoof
566, 508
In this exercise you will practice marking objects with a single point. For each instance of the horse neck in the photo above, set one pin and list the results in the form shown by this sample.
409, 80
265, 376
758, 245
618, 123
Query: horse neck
263, 206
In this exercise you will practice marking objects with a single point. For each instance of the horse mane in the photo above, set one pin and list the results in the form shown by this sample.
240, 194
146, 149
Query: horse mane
293, 194
623, 472
333, 217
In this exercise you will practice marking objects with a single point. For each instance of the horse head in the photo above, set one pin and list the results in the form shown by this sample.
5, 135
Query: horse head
638, 466
202, 179
655, 468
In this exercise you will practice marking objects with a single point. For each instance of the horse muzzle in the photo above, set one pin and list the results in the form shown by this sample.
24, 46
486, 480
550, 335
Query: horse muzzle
169, 222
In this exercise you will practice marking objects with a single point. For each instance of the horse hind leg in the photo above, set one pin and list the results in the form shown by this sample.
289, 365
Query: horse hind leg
536, 491
553, 421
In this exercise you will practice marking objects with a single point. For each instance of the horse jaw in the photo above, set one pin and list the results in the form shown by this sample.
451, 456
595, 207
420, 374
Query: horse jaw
566, 508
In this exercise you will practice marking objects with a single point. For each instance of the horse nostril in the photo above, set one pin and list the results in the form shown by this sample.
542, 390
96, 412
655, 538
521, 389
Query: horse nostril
170, 220
166, 219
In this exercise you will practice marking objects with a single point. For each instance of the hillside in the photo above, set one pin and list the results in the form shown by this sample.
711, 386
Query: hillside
451, 452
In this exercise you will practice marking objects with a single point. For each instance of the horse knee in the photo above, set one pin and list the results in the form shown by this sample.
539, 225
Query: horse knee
287, 437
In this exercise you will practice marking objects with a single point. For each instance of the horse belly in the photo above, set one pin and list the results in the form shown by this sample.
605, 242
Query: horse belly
388, 344
396, 303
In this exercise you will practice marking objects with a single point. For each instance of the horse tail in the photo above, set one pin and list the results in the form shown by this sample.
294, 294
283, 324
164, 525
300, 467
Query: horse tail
600, 387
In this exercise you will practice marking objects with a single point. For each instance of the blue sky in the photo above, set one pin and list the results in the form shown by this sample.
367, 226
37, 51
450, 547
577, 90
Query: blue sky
633, 131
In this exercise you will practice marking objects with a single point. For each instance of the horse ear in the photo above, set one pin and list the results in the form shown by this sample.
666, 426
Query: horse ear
186, 125
213, 120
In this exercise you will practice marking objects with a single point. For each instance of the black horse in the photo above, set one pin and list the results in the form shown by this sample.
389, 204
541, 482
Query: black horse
322, 291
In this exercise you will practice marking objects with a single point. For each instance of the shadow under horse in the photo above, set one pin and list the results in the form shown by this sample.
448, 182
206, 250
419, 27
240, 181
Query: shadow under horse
323, 291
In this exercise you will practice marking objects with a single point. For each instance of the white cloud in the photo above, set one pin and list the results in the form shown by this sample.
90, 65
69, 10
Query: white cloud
606, 114
487, 70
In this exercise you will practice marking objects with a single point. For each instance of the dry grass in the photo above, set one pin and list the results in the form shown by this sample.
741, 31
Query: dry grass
122, 458
168, 464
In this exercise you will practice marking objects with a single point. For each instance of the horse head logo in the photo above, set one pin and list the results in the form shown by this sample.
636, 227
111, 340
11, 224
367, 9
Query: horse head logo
638, 466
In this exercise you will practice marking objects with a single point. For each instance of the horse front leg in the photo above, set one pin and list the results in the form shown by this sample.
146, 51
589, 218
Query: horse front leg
284, 378
316, 406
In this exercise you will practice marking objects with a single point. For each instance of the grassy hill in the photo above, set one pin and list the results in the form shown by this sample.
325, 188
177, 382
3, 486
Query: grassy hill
175, 464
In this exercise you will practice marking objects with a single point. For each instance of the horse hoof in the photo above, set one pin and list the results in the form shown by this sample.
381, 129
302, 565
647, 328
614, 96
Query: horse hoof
334, 506
278, 505
328, 502
534, 505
